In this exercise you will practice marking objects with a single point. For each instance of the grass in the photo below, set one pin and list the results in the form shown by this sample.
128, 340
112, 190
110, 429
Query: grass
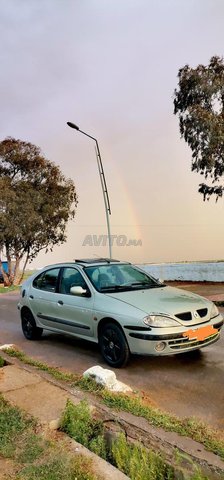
132, 459
12, 288
189, 427
15, 288
2, 362
34, 457
12, 425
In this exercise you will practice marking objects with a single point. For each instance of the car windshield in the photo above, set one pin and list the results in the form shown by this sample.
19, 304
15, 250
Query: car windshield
119, 277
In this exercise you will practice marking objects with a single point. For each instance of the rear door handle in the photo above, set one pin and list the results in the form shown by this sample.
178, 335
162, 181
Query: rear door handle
60, 302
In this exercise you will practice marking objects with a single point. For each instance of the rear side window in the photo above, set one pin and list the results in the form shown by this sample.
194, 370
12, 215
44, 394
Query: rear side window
47, 280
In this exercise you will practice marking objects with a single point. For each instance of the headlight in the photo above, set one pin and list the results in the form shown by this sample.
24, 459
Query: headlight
214, 311
160, 321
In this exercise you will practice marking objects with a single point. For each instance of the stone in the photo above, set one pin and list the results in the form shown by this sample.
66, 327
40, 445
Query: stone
107, 378
7, 346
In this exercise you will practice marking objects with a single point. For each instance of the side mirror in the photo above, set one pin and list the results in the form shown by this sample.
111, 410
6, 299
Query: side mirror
80, 292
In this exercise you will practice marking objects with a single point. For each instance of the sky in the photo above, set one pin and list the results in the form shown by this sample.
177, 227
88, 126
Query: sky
111, 66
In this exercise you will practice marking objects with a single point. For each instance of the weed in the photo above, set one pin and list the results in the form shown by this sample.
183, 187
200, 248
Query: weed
2, 362
57, 374
189, 427
59, 467
139, 463
78, 423
35, 458
12, 288
88, 384
12, 424
133, 459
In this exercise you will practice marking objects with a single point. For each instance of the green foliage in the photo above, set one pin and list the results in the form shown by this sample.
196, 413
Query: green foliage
189, 427
199, 103
88, 384
134, 460
2, 362
36, 203
57, 374
59, 467
78, 423
36, 458
12, 288
139, 463
29, 447
12, 424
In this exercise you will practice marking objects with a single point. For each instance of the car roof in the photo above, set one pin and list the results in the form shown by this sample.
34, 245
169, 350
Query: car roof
89, 261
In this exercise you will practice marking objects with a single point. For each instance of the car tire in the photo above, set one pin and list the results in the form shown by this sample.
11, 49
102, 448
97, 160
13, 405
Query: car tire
29, 328
113, 345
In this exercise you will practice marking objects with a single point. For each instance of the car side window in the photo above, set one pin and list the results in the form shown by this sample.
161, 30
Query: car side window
47, 280
71, 278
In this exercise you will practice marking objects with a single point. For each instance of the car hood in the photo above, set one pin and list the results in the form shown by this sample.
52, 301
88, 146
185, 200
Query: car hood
167, 300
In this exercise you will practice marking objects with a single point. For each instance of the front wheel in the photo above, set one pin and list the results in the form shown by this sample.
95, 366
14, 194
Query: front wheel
29, 328
113, 345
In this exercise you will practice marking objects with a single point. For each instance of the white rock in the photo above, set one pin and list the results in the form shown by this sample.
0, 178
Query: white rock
104, 377
107, 378
7, 346
121, 387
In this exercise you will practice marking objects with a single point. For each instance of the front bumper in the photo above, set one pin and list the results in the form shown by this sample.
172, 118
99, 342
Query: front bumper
146, 342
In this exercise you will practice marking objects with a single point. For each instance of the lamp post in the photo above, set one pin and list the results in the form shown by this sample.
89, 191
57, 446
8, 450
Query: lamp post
102, 180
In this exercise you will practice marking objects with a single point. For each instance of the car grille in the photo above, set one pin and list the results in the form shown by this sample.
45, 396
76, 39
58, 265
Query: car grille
186, 316
183, 343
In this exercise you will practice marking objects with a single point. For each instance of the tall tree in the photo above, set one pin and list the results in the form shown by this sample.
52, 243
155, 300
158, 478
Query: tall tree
199, 103
36, 203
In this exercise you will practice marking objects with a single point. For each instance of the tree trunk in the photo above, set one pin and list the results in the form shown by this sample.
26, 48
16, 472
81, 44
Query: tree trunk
10, 274
16, 273
24, 268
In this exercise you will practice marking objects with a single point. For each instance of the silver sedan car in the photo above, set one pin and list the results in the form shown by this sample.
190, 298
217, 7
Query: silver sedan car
120, 307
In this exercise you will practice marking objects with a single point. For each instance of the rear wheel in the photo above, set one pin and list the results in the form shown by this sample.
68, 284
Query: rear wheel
29, 328
113, 345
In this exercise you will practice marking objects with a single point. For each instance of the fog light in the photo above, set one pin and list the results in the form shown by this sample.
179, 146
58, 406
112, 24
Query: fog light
160, 346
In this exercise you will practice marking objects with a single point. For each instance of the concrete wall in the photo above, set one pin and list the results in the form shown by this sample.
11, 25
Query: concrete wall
195, 272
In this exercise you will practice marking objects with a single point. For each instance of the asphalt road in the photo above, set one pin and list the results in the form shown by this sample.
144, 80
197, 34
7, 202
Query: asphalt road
184, 384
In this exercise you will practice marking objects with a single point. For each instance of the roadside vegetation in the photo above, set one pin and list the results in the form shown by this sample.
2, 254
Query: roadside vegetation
131, 458
16, 288
13, 288
135, 404
32, 456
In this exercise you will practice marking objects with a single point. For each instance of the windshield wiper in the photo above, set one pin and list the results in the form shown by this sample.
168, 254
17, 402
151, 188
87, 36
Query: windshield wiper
113, 288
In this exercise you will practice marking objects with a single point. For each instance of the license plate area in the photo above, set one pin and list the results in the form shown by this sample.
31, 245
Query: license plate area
201, 333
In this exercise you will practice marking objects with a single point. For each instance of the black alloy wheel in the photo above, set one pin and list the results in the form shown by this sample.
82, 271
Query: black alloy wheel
113, 345
29, 328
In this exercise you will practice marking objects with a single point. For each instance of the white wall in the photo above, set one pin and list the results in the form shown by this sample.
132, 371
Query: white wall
195, 272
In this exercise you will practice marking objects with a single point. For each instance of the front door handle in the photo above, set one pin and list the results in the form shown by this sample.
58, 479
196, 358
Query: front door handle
31, 296
60, 302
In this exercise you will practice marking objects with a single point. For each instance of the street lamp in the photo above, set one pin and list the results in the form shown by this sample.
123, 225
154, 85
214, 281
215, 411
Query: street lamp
103, 183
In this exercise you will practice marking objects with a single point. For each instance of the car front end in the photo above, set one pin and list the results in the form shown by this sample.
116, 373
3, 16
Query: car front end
177, 322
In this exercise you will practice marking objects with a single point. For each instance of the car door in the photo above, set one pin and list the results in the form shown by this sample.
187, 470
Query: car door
74, 311
42, 296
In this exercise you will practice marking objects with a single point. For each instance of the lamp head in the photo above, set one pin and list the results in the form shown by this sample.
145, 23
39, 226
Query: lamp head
72, 125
